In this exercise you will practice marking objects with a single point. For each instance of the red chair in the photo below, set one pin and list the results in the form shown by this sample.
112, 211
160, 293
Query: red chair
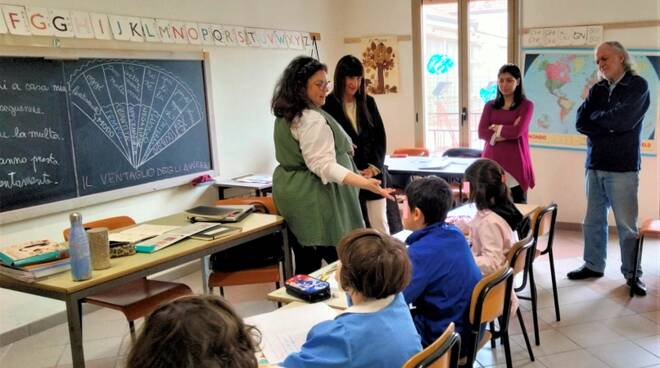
137, 298
259, 275
410, 151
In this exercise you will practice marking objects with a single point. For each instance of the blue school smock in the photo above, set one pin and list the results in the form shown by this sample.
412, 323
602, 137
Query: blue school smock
444, 275
377, 333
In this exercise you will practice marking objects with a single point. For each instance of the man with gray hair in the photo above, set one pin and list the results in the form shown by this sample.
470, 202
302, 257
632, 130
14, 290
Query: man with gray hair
611, 118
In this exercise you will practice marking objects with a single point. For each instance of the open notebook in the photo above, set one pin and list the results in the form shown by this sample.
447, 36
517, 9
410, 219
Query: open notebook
284, 331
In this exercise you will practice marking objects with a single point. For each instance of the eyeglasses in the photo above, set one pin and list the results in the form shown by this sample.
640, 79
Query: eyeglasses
324, 85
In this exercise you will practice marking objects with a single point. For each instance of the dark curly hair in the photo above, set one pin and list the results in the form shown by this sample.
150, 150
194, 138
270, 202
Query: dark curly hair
488, 188
518, 94
350, 66
290, 94
201, 331
374, 264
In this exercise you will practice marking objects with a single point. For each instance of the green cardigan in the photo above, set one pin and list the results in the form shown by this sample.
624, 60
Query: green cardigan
318, 214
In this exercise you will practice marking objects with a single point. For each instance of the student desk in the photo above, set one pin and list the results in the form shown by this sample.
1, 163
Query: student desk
448, 168
260, 189
338, 300
140, 265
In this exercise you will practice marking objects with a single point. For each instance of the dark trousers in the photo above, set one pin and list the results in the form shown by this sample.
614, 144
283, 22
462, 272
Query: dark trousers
518, 195
308, 258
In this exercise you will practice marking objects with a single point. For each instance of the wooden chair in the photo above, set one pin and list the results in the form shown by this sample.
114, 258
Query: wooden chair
259, 275
520, 258
650, 227
443, 353
136, 298
543, 223
491, 299
460, 191
411, 151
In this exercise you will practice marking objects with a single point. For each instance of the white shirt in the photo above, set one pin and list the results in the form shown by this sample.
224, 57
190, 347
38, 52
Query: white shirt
317, 145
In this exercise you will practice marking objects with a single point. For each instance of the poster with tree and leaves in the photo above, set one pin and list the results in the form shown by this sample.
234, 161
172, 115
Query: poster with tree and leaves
380, 57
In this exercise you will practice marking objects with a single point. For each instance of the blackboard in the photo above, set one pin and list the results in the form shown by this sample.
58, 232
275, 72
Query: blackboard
72, 128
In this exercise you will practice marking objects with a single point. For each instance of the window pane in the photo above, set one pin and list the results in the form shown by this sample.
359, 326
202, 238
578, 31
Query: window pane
488, 35
440, 75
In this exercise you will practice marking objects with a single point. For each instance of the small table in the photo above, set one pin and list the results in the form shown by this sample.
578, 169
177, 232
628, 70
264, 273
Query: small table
451, 169
261, 187
125, 269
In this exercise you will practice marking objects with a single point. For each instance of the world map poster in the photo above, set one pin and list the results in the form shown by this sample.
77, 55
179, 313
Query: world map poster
558, 81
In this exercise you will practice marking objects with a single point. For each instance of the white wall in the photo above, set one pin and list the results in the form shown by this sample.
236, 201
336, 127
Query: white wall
242, 83
381, 18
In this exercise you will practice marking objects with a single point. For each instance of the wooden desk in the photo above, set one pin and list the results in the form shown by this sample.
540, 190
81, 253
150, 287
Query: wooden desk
124, 269
338, 300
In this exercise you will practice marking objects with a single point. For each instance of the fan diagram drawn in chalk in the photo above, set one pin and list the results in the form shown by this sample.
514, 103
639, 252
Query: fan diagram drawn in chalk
141, 109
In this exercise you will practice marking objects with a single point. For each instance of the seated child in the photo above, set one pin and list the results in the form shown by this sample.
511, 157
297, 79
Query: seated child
444, 272
491, 234
194, 332
376, 330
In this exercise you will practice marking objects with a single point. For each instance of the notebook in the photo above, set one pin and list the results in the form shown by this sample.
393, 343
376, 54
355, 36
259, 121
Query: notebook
233, 213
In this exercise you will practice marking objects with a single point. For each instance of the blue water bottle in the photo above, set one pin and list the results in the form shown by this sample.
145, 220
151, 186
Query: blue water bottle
81, 264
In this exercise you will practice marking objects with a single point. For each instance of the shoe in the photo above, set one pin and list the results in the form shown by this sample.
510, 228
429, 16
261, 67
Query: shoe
583, 273
637, 286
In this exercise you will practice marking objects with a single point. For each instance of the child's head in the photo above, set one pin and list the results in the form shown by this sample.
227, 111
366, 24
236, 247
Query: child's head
373, 264
487, 184
194, 331
429, 200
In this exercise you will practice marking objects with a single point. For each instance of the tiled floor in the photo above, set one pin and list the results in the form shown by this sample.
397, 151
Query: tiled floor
600, 326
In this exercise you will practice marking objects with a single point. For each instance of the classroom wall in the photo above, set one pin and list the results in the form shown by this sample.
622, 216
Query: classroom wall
242, 82
559, 173
382, 18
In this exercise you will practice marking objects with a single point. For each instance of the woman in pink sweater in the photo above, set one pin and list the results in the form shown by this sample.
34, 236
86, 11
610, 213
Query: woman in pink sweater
504, 125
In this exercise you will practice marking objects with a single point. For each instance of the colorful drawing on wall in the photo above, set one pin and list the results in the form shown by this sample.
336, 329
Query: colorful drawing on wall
380, 56
558, 81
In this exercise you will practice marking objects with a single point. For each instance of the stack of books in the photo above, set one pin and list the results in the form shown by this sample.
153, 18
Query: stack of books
35, 259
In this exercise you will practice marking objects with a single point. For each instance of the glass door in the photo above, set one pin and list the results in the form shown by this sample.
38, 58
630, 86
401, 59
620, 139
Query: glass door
463, 44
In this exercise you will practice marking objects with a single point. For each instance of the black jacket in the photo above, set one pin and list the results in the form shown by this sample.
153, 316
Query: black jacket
370, 140
613, 124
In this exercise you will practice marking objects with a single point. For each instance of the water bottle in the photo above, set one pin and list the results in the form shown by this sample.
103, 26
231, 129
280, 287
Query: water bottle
81, 264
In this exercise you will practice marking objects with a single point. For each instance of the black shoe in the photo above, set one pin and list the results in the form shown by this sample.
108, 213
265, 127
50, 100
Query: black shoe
637, 286
583, 273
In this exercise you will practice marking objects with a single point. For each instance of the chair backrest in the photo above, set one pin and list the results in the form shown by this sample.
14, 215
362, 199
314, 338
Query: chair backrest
412, 151
111, 223
443, 353
519, 255
544, 223
463, 152
650, 227
261, 204
491, 296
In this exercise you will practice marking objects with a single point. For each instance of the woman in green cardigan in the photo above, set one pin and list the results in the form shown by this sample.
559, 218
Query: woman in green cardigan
315, 185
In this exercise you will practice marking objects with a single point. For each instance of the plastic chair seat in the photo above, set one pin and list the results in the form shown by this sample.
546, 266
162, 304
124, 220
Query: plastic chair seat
242, 277
138, 298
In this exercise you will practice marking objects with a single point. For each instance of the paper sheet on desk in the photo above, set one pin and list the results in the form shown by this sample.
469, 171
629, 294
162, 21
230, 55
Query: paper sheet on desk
284, 331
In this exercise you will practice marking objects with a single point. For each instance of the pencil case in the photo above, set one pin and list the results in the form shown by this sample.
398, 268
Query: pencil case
307, 288
121, 249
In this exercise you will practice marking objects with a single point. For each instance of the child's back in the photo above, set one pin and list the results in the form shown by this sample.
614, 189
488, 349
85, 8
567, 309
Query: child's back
444, 271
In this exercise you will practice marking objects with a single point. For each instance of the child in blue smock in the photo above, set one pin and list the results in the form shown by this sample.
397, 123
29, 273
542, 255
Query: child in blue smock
444, 271
376, 330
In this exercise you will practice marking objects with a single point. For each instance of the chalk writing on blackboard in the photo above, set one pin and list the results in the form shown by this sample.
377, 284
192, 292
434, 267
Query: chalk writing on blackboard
141, 108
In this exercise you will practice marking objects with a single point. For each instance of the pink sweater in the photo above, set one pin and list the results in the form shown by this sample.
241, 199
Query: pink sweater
513, 153
491, 239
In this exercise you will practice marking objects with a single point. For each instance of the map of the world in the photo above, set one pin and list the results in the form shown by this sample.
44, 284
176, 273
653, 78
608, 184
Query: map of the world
557, 81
